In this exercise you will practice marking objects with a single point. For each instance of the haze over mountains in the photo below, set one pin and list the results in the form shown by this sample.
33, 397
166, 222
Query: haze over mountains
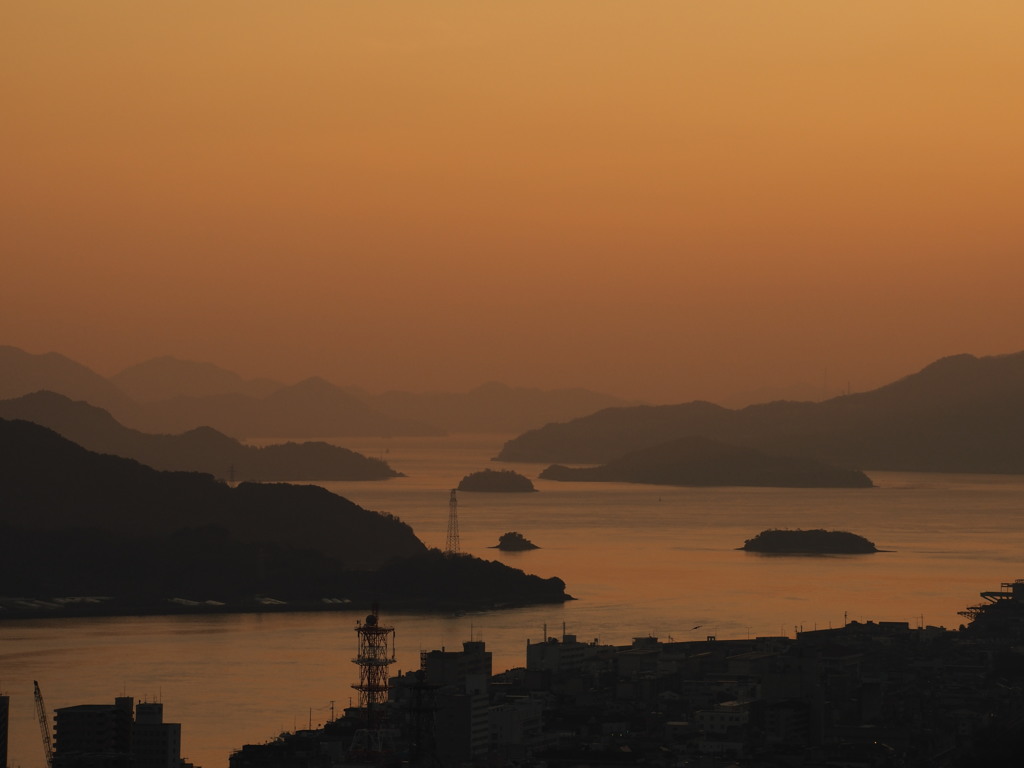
22, 373
169, 395
959, 414
164, 378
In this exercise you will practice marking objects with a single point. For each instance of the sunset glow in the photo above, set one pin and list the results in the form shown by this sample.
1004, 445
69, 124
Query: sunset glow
661, 200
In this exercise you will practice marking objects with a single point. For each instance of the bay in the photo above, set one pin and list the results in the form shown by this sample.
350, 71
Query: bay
641, 560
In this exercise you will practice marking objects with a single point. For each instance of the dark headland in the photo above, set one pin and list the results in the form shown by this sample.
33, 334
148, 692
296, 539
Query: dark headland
78, 523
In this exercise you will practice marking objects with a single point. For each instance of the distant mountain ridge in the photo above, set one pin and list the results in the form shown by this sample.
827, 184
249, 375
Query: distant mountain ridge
959, 414
165, 378
22, 373
199, 450
166, 394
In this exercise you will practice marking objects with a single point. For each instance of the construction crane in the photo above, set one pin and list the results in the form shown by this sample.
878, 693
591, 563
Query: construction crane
44, 726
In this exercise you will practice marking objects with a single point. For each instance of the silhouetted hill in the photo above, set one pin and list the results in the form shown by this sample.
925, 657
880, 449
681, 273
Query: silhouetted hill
698, 461
613, 432
164, 378
496, 481
22, 373
74, 522
49, 483
311, 408
493, 407
960, 414
199, 450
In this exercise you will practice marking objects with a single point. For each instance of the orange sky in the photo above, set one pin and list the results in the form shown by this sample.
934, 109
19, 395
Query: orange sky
663, 200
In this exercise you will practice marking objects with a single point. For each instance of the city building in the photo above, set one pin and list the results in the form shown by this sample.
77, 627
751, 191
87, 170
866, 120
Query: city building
94, 735
118, 735
5, 711
155, 744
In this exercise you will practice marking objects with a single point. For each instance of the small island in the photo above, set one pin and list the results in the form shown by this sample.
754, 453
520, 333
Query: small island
496, 481
513, 541
812, 542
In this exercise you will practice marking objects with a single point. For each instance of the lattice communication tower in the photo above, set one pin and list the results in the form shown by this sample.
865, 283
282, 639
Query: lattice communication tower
376, 653
451, 544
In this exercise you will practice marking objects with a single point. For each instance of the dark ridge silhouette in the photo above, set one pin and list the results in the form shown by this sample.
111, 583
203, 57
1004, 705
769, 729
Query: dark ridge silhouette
496, 481
816, 541
74, 522
960, 414
769, 393
697, 461
22, 373
50, 483
164, 378
199, 450
493, 407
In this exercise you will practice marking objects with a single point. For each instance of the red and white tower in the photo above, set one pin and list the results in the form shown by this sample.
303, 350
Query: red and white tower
376, 653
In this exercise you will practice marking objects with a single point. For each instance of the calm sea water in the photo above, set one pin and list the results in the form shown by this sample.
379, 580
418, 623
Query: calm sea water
641, 560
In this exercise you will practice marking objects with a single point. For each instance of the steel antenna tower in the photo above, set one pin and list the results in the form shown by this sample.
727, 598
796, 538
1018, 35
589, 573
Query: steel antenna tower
376, 654
451, 544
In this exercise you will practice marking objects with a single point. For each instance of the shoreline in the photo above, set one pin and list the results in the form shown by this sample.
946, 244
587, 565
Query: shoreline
25, 608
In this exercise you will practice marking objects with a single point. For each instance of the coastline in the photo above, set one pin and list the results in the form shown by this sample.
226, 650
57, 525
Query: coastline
20, 609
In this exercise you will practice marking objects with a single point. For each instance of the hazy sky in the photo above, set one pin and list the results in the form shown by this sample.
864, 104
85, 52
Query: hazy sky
665, 200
